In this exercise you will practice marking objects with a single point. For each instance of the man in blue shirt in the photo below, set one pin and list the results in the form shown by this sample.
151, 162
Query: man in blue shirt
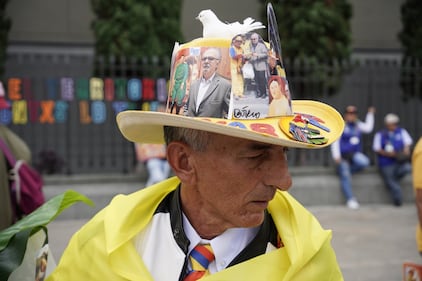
347, 151
392, 146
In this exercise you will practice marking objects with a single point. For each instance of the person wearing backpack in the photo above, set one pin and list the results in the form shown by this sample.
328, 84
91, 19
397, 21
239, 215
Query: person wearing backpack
392, 146
21, 151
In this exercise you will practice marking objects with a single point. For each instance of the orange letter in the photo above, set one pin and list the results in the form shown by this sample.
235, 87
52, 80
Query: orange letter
47, 111
14, 89
84, 112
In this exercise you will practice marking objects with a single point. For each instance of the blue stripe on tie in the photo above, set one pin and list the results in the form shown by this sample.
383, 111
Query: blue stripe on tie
203, 261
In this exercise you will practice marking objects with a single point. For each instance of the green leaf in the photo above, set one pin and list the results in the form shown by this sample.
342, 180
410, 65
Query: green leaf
43, 215
14, 239
11, 257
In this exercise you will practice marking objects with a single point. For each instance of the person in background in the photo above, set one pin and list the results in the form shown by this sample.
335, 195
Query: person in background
21, 151
417, 186
153, 156
347, 151
392, 146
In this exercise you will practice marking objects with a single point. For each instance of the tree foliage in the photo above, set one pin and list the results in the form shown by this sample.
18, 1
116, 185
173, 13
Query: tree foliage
411, 39
315, 35
136, 28
411, 34
5, 25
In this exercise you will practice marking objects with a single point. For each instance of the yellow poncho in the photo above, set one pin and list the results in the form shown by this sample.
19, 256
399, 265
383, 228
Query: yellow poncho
103, 249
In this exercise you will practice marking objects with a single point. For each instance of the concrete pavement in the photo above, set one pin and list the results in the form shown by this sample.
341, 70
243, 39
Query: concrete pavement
373, 242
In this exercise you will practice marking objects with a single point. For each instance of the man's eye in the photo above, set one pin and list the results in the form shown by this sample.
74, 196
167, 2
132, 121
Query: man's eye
255, 156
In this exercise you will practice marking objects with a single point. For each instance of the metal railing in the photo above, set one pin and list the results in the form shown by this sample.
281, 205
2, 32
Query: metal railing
100, 148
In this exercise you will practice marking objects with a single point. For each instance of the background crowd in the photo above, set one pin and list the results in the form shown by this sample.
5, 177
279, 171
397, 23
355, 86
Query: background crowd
391, 144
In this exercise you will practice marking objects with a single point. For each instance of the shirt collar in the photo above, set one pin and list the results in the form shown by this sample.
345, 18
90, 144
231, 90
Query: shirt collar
226, 246
207, 81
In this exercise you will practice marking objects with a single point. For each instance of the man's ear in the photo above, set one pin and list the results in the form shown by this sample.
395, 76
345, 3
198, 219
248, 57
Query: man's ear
179, 156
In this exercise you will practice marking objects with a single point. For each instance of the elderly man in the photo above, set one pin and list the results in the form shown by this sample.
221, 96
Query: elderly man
228, 193
210, 95
259, 60
225, 215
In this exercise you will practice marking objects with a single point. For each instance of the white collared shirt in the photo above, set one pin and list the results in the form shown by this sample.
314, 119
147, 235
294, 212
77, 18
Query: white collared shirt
226, 246
203, 88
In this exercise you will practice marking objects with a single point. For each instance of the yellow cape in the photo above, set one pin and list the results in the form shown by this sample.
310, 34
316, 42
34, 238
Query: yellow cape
103, 248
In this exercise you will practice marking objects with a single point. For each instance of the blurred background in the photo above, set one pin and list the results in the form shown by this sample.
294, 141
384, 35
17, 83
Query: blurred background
69, 66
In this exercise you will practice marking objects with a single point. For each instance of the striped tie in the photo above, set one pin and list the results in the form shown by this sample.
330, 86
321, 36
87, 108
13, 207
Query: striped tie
200, 257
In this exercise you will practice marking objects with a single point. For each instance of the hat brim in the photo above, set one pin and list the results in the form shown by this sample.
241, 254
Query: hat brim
147, 126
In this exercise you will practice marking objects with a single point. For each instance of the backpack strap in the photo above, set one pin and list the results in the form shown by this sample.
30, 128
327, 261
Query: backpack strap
14, 174
6, 150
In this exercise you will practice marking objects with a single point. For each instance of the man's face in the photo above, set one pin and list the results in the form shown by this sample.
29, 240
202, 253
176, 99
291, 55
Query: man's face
210, 59
254, 39
236, 179
350, 116
391, 126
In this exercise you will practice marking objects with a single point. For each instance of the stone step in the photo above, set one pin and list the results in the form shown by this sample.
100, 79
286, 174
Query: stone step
312, 186
321, 186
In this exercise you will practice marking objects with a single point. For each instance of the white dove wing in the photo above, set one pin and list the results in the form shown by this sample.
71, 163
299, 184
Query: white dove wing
236, 28
217, 30
214, 28
247, 26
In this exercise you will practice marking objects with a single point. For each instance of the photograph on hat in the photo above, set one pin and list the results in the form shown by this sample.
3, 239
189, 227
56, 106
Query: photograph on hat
230, 82
200, 82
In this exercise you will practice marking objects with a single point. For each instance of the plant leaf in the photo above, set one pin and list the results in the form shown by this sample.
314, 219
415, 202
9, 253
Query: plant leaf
43, 215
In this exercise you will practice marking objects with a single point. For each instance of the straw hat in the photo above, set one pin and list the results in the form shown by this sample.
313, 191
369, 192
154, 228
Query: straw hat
312, 125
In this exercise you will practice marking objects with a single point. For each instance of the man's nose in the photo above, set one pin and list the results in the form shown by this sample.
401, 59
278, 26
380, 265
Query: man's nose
277, 173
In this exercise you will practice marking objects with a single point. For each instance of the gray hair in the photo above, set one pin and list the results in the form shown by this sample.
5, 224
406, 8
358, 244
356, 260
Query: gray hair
217, 52
196, 139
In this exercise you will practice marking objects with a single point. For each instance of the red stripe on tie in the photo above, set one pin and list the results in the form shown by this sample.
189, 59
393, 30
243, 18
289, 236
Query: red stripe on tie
194, 275
205, 252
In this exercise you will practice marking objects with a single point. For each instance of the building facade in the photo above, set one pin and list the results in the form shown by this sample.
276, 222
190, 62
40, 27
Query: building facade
66, 23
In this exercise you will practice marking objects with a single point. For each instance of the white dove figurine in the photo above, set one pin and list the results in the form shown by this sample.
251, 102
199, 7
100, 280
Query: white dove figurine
214, 28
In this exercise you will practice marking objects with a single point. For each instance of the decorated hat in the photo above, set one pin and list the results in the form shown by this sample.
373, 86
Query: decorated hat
3, 103
233, 83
